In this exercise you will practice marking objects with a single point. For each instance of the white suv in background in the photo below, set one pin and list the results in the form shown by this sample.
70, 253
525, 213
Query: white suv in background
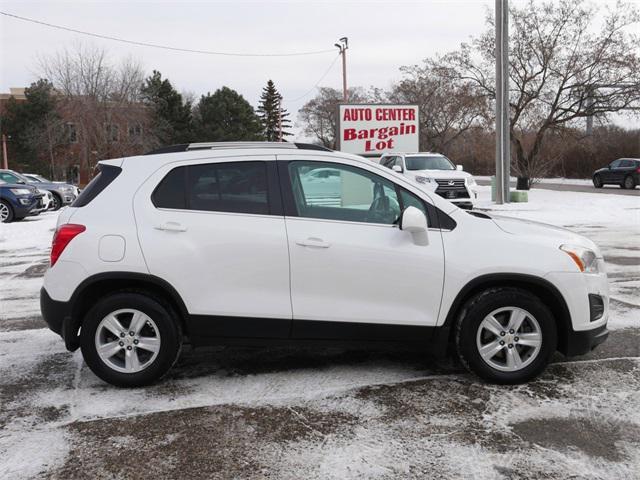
271, 242
437, 173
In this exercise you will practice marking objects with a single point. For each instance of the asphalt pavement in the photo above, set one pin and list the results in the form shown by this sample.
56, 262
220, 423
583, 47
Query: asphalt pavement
568, 187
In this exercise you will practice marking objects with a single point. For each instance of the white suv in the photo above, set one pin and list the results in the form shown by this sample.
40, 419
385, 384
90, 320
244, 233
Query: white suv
437, 173
228, 243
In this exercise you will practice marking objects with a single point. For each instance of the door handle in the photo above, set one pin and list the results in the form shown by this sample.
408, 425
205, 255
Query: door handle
171, 227
313, 243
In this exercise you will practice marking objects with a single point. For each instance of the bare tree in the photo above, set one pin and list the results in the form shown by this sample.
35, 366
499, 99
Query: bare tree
100, 102
319, 115
448, 108
563, 68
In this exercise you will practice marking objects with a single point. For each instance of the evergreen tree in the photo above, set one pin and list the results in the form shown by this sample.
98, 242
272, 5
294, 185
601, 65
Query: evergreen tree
173, 121
34, 127
272, 116
226, 116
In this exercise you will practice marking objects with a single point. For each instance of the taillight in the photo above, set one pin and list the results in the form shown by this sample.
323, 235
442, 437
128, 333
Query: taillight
638, 170
61, 239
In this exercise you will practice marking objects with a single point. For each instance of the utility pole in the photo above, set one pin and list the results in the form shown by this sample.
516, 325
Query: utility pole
343, 46
5, 159
503, 137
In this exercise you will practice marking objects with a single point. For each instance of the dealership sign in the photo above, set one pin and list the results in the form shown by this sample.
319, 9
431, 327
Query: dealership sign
376, 129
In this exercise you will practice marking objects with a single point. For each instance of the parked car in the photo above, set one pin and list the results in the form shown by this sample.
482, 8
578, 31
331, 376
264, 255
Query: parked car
39, 178
62, 193
623, 171
18, 201
220, 243
435, 172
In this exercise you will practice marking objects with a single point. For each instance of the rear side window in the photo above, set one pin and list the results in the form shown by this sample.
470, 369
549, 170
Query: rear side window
237, 187
107, 174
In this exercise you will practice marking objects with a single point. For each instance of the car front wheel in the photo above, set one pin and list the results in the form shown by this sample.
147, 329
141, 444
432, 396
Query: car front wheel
6, 212
597, 181
57, 202
129, 339
506, 335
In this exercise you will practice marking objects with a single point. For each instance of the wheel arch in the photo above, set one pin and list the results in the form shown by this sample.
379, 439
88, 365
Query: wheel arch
99, 285
543, 289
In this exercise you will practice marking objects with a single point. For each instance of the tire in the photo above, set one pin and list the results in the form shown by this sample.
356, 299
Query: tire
629, 183
471, 333
6, 212
119, 368
597, 181
57, 201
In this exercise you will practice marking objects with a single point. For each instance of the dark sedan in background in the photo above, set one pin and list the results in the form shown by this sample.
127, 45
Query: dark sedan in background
623, 171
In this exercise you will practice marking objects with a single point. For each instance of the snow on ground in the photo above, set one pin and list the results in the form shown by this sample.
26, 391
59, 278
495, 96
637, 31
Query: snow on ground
324, 413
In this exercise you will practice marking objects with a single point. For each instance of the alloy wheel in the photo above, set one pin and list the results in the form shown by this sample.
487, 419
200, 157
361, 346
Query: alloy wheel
4, 212
127, 340
509, 339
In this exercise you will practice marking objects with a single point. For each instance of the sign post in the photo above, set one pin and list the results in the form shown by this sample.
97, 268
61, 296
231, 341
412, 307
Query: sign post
372, 130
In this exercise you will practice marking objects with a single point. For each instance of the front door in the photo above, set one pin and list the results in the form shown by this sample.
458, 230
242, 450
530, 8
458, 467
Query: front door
215, 231
353, 270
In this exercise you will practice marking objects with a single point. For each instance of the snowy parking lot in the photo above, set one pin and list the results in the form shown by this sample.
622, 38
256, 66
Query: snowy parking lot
311, 413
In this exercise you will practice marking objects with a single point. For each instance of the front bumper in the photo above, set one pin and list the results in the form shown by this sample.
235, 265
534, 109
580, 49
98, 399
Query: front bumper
582, 342
57, 315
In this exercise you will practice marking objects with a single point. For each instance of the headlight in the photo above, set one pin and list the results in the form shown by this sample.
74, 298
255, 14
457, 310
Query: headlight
20, 191
585, 259
471, 181
423, 180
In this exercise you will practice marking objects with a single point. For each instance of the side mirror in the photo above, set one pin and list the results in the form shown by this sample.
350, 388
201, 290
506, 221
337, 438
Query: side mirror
609, 166
397, 168
414, 222
459, 168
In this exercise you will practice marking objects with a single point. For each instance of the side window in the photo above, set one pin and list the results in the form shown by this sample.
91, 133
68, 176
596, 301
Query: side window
237, 187
170, 193
9, 178
346, 193
399, 163
626, 163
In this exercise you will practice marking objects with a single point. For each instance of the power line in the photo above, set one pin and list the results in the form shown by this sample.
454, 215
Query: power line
318, 82
164, 47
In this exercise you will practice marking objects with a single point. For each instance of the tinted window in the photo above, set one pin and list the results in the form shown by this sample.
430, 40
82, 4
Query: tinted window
106, 175
238, 187
347, 193
429, 162
171, 192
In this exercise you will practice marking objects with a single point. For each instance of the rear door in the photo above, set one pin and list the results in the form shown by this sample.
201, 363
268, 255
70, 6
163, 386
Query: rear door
353, 270
215, 231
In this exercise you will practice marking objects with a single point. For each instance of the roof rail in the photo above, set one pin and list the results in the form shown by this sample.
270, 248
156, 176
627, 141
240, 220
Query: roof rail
186, 147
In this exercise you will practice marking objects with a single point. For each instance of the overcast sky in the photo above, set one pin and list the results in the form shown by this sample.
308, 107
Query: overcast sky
382, 37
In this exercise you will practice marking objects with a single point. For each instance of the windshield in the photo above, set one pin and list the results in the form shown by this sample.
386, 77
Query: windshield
429, 162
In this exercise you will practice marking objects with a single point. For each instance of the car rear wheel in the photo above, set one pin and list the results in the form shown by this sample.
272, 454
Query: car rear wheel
6, 212
597, 181
130, 339
506, 335
629, 182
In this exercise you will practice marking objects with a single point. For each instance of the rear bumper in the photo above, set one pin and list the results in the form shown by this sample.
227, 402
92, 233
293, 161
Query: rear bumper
57, 316
582, 342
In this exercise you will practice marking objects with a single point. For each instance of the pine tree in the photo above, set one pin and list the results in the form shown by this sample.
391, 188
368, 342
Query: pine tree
173, 120
226, 116
272, 116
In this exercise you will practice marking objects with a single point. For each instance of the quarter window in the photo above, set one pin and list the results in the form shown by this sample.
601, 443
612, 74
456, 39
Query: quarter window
341, 192
237, 187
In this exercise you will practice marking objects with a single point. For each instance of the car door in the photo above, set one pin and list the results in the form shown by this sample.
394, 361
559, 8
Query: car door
613, 175
352, 269
215, 231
